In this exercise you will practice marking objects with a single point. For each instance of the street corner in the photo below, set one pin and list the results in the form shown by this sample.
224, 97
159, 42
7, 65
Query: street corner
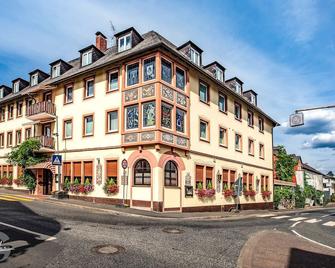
271, 248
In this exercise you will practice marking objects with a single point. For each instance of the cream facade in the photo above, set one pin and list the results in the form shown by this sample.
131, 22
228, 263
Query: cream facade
184, 130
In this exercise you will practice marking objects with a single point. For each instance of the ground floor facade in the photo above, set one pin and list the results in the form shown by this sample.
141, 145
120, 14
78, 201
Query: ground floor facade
157, 179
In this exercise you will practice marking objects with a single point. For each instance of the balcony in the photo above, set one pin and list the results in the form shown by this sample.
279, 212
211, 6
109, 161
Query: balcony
42, 111
47, 144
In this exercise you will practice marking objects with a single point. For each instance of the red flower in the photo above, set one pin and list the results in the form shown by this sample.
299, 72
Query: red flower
228, 192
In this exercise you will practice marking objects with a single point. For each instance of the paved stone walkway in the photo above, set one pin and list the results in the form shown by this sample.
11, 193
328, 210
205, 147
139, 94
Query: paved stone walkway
279, 249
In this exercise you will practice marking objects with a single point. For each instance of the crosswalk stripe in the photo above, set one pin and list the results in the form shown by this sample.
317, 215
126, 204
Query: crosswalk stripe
265, 215
281, 217
16, 197
298, 219
329, 223
312, 221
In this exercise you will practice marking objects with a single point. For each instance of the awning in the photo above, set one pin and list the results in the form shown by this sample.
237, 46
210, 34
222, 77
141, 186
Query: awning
44, 165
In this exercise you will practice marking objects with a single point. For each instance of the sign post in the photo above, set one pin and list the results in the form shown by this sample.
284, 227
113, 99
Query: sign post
124, 179
238, 190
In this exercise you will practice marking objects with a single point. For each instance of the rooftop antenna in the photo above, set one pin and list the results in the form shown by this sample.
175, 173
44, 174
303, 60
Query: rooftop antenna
113, 31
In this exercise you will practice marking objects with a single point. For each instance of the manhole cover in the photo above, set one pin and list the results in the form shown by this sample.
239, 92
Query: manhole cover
108, 249
172, 231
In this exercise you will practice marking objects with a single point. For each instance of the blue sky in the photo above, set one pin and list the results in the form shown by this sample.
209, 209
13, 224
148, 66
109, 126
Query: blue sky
284, 50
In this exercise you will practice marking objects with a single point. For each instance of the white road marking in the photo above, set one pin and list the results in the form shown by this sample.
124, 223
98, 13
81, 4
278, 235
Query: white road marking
298, 219
265, 215
326, 215
295, 224
41, 236
315, 242
330, 223
312, 221
281, 217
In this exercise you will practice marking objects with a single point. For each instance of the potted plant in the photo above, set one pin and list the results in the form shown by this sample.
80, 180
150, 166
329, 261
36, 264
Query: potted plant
266, 193
110, 187
88, 187
205, 193
19, 181
227, 192
252, 192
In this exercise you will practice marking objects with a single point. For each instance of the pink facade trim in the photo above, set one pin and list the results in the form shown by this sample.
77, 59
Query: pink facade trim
171, 156
142, 155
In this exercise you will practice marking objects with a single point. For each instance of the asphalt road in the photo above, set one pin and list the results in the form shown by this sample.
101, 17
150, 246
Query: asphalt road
44, 234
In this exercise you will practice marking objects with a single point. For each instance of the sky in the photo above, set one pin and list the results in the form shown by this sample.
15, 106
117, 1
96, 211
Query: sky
284, 50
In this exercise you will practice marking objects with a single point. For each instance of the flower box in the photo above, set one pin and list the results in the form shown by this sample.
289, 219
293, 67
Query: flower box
266, 194
111, 189
19, 182
249, 192
6, 181
81, 188
228, 193
205, 193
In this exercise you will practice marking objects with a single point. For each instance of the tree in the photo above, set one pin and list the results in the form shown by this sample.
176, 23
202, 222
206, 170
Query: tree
330, 174
285, 164
26, 155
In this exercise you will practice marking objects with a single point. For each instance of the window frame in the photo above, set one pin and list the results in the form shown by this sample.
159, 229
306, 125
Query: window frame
66, 87
176, 72
33, 80
64, 129
9, 133
261, 151
108, 130
171, 107
87, 80
196, 58
16, 137
142, 113
219, 71
252, 119
207, 92
84, 125
135, 171
153, 57
252, 142
16, 87
240, 149
225, 102
206, 122
170, 172
124, 37
225, 138
18, 104
53, 69
10, 111
236, 104
25, 133
89, 59
184, 120
171, 70
261, 124
3, 114
2, 141
109, 74
126, 115
138, 73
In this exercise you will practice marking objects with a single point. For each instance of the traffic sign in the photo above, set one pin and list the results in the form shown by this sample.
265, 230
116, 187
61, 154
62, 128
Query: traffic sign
57, 160
296, 119
124, 163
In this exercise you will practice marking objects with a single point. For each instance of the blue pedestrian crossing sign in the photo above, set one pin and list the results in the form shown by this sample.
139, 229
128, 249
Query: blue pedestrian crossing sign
57, 160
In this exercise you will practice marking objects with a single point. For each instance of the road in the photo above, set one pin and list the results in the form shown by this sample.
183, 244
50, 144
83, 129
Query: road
45, 234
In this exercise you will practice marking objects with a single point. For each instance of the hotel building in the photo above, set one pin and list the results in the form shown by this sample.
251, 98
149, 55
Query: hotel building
179, 123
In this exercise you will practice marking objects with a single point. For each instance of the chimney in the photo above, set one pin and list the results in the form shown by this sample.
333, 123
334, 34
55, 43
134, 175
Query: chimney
100, 41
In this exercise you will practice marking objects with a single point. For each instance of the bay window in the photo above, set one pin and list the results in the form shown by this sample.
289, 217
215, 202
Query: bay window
166, 120
166, 71
149, 114
180, 120
180, 78
149, 70
132, 74
131, 117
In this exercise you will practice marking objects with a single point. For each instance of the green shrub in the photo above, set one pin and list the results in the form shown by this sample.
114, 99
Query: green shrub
299, 197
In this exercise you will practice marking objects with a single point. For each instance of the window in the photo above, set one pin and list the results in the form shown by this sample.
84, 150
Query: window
132, 74
251, 181
88, 125
180, 78
250, 119
232, 178
222, 103
261, 151
245, 181
124, 43
238, 88
77, 172
223, 138
209, 178
66, 171
67, 129
149, 114
142, 173
27, 133
166, 114
89, 88
11, 111
251, 147
261, 124
204, 135
69, 94
112, 121
131, 117
88, 171
195, 56
200, 181
203, 92
1, 93
171, 174
238, 111
166, 71
2, 140
86, 58
18, 137
265, 183
55, 71
113, 83
34, 80
111, 170
180, 120
16, 87
219, 74
238, 142
225, 179
149, 69
253, 99
9, 139
19, 106
2, 114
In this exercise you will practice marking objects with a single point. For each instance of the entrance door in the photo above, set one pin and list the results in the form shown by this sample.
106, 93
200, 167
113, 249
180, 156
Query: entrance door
47, 182
172, 192
47, 130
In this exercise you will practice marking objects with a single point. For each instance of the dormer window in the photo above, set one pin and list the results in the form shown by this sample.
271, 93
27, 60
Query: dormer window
1, 93
238, 88
55, 71
219, 74
124, 42
16, 87
86, 58
253, 99
34, 80
194, 56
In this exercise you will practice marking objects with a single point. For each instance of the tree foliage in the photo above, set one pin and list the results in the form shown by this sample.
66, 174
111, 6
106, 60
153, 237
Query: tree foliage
285, 164
26, 155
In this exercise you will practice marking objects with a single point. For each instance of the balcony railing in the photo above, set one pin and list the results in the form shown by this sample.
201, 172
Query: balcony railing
46, 142
44, 107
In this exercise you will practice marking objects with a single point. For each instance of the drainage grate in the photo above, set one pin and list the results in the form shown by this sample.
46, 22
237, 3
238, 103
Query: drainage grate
172, 231
108, 249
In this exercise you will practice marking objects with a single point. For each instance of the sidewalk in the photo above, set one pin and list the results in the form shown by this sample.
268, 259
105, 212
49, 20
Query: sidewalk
115, 210
279, 249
